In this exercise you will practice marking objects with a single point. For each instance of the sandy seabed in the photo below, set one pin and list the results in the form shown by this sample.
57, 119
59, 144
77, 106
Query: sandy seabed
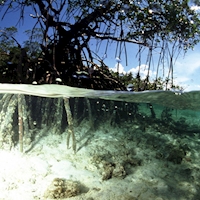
141, 170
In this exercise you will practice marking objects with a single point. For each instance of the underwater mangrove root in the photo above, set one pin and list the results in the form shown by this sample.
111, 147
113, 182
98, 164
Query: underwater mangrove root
70, 125
20, 121
9, 103
4, 105
27, 119
75, 111
58, 104
91, 122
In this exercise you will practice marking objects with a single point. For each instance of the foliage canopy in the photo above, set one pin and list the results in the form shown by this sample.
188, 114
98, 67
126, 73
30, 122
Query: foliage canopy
165, 27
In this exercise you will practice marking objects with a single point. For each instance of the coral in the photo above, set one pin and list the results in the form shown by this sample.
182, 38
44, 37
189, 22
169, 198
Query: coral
114, 168
61, 188
107, 170
119, 171
111, 170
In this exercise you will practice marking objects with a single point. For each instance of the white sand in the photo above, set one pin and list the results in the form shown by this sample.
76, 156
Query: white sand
27, 176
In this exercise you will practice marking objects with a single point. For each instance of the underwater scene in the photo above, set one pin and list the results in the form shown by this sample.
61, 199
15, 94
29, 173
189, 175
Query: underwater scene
99, 145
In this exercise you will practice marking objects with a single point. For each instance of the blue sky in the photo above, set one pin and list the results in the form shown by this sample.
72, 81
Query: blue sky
186, 70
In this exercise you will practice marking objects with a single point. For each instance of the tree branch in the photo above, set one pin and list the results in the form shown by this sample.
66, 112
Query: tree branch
120, 39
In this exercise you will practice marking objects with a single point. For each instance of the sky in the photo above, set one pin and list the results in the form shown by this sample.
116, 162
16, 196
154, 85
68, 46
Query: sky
186, 68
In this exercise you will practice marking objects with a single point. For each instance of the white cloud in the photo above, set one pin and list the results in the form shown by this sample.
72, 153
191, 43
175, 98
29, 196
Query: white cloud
188, 65
181, 80
191, 87
118, 66
143, 70
195, 7
187, 70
